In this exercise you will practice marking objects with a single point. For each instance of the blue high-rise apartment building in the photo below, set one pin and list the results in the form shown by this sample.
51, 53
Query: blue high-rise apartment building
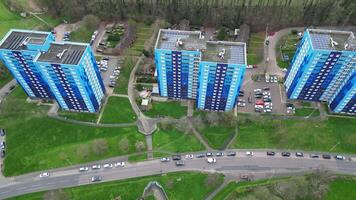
18, 50
324, 69
67, 70
190, 67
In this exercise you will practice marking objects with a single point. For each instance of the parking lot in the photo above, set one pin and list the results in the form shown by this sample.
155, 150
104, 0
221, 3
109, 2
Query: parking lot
110, 67
274, 92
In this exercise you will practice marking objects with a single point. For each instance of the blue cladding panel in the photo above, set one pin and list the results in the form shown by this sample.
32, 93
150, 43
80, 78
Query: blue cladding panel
31, 75
323, 74
69, 92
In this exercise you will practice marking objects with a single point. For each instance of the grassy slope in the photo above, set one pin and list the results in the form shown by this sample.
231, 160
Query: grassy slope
179, 186
171, 109
42, 143
307, 112
217, 136
175, 141
80, 116
295, 134
118, 110
123, 81
342, 189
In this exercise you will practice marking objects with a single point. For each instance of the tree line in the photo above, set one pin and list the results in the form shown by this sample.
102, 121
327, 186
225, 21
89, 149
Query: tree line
229, 13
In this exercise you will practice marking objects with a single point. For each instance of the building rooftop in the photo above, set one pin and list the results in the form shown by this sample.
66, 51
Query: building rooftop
213, 51
63, 53
332, 40
17, 40
225, 52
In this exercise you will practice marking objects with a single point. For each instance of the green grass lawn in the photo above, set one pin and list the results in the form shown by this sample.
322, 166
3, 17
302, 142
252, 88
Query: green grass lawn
5, 75
82, 34
79, 116
333, 134
255, 48
217, 136
123, 81
9, 20
170, 108
178, 186
304, 112
171, 139
118, 110
342, 189
37, 142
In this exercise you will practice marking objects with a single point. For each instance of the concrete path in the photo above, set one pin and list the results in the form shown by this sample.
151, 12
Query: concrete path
5, 90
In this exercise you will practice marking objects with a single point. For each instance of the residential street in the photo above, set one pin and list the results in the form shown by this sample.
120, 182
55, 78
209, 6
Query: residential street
259, 165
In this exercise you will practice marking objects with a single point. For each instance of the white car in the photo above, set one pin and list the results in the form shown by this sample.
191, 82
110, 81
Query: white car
108, 166
189, 156
83, 169
96, 167
249, 153
120, 164
211, 160
165, 159
44, 174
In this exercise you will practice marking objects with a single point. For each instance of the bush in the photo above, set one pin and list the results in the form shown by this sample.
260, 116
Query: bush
100, 146
222, 34
146, 53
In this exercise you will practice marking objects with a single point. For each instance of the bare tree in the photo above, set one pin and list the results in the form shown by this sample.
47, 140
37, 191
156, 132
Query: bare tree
124, 145
99, 146
140, 146
83, 151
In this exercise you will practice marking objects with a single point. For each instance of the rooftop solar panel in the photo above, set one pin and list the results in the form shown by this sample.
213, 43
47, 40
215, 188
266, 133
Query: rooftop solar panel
71, 53
17, 40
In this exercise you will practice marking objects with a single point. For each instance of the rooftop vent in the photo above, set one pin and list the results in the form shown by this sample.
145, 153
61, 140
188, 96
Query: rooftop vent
179, 42
164, 38
333, 42
25, 42
221, 54
59, 55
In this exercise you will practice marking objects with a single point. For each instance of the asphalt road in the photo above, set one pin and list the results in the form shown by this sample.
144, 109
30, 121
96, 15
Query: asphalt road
259, 165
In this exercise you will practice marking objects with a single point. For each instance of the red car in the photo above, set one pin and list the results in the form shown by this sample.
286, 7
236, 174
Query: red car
260, 102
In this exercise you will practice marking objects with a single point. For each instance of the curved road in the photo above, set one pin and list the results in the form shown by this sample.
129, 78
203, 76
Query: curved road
260, 165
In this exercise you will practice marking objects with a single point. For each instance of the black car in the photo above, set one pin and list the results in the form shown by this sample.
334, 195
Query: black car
265, 88
2, 154
314, 155
200, 155
241, 94
180, 163
231, 153
299, 154
285, 154
271, 153
326, 156
209, 154
2, 132
176, 157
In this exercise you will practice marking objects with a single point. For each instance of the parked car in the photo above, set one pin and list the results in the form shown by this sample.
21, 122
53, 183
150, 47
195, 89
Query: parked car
314, 155
165, 159
200, 155
2, 154
2, 132
299, 154
2, 145
96, 166
209, 154
271, 153
339, 157
189, 156
44, 175
83, 169
108, 166
231, 153
96, 178
249, 153
180, 163
326, 156
176, 157
219, 154
119, 164
285, 154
